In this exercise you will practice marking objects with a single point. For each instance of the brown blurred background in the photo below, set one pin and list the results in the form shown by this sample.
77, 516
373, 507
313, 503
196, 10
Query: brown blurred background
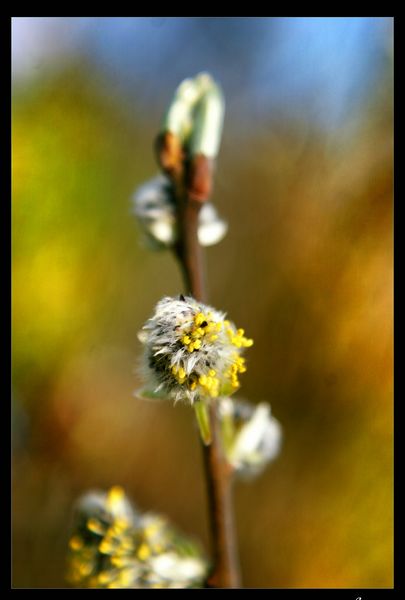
304, 178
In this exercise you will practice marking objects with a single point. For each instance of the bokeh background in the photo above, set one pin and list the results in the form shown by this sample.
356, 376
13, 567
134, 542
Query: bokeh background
304, 179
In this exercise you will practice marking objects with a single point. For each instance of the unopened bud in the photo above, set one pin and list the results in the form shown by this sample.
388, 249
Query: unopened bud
207, 124
195, 115
178, 118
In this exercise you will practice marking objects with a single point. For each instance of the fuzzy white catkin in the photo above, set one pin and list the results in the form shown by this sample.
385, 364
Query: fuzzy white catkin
191, 351
256, 438
155, 211
154, 207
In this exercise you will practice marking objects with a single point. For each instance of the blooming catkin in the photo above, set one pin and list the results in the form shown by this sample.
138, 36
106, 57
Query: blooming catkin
113, 545
192, 352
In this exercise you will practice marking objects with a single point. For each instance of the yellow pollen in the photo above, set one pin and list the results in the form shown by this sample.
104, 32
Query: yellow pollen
85, 569
104, 577
120, 524
199, 318
105, 547
115, 495
76, 543
143, 552
95, 526
151, 529
119, 561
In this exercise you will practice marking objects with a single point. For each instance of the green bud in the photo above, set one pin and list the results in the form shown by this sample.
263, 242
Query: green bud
207, 126
195, 115
203, 420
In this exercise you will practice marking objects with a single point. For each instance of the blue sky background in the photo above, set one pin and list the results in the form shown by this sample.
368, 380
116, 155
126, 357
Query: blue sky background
317, 68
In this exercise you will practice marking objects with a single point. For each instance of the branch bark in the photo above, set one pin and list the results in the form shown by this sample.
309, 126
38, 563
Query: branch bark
225, 572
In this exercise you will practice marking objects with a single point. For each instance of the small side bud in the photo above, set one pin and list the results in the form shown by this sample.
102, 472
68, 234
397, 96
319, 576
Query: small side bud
251, 436
154, 206
169, 152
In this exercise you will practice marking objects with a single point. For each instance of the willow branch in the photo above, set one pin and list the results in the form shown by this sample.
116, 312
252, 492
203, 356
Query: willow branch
225, 571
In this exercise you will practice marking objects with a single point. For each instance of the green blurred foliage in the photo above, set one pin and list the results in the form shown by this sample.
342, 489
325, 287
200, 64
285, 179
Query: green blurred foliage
306, 269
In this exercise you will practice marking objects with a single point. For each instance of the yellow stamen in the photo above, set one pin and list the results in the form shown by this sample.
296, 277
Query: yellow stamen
76, 543
199, 318
143, 552
115, 495
95, 526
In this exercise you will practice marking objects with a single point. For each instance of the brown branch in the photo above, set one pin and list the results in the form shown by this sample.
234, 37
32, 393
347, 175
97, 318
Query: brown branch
225, 573
192, 183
